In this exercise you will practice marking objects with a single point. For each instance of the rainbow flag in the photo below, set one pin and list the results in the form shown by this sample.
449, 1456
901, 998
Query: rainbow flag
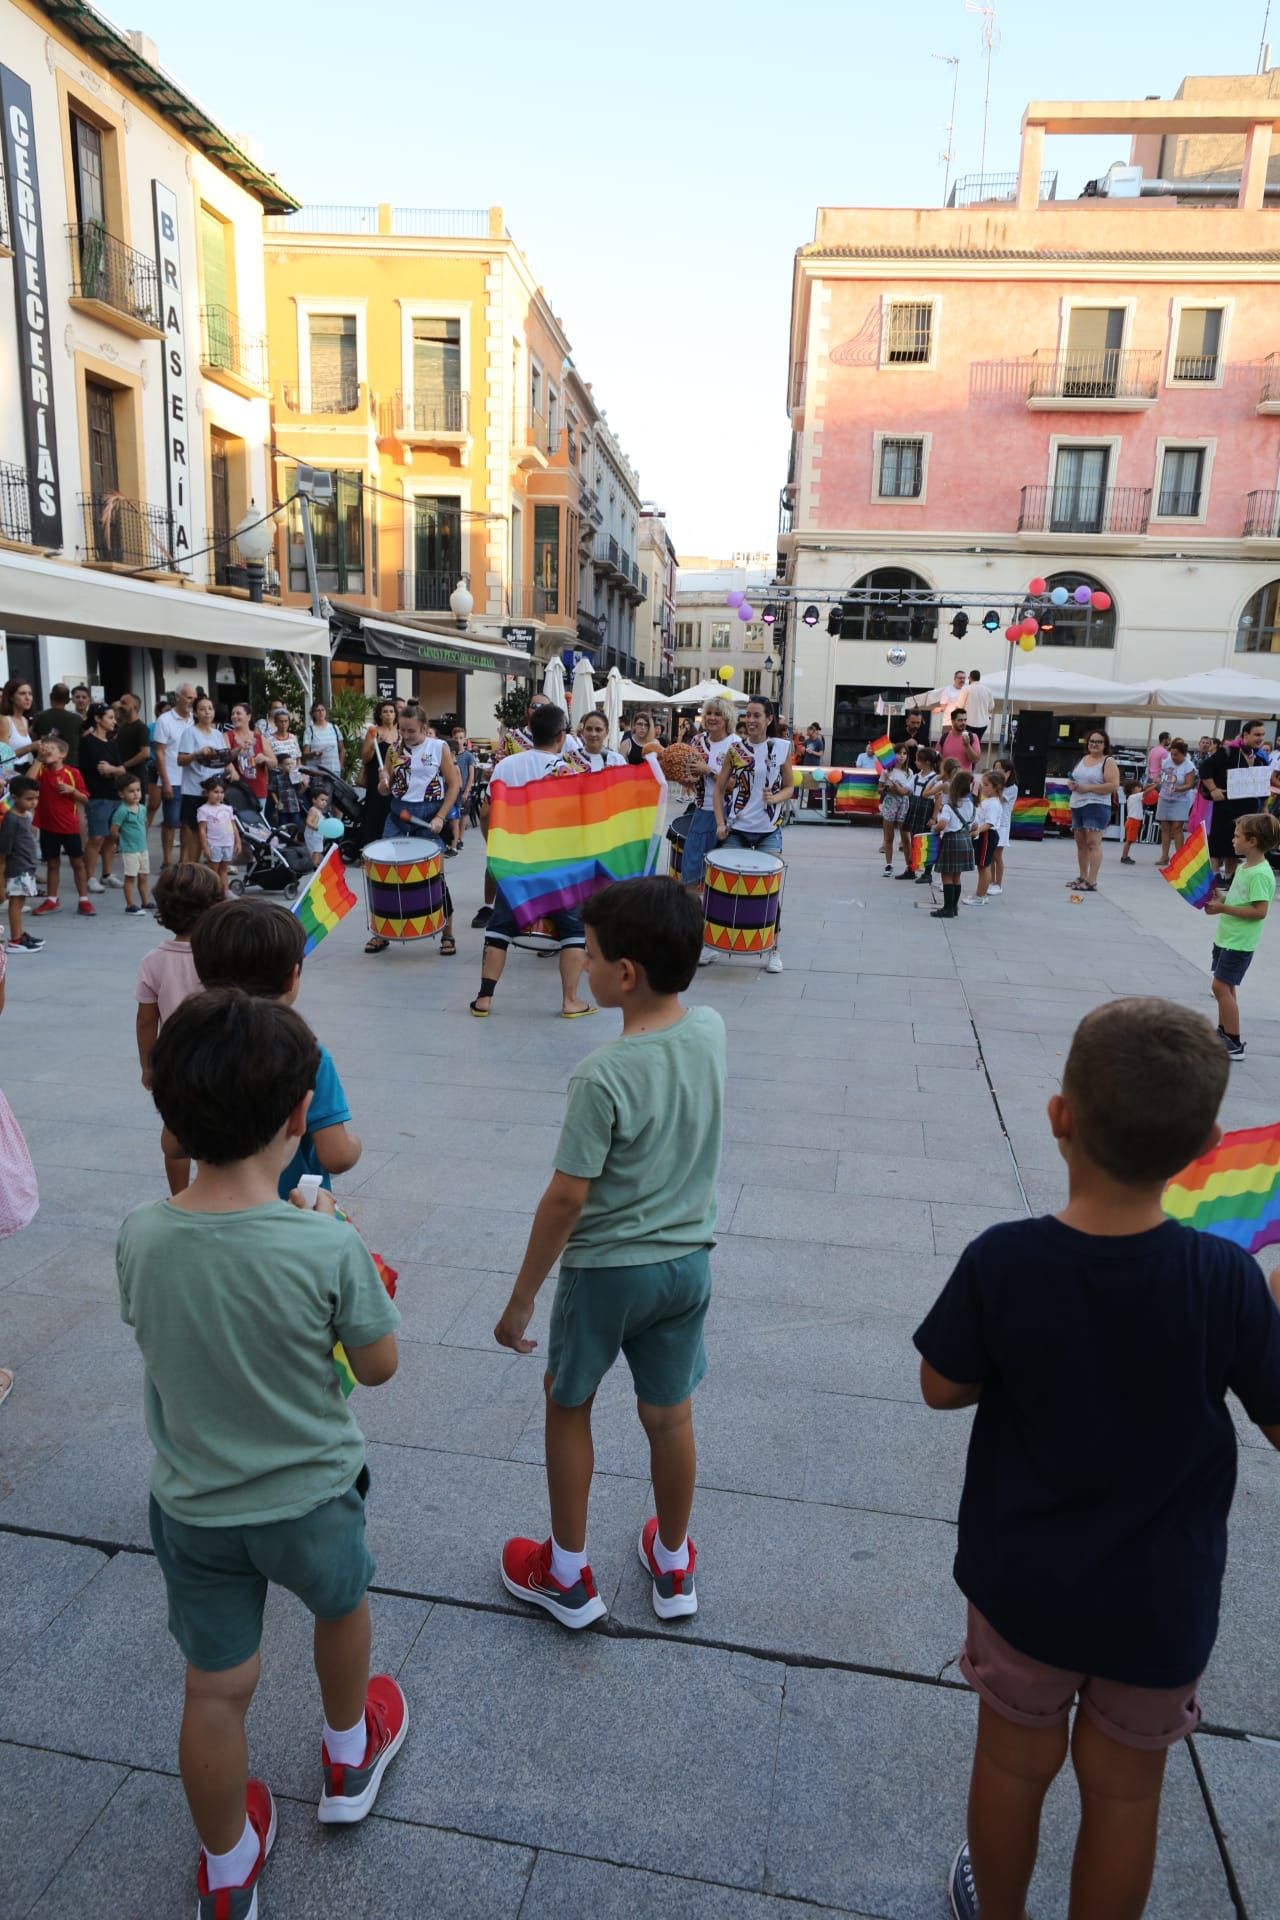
555, 842
1190, 872
1058, 793
882, 750
858, 795
341, 1365
1233, 1190
1030, 817
924, 851
324, 900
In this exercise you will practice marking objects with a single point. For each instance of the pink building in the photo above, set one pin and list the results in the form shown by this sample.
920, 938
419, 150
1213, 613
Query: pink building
1016, 386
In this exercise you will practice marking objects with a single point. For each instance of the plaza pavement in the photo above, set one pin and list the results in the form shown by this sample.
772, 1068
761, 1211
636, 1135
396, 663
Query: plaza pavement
801, 1748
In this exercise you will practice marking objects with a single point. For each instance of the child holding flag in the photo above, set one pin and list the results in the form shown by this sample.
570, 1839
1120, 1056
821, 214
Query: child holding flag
1240, 913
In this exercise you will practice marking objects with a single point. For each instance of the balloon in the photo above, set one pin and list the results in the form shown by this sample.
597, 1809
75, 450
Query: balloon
834, 776
1012, 633
725, 673
745, 612
1101, 602
1082, 596
734, 598
1028, 626
1036, 587
1027, 642
331, 829
1059, 596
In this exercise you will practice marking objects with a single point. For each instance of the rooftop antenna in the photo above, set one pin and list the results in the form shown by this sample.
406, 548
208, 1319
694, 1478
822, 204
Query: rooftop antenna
951, 60
991, 41
1264, 51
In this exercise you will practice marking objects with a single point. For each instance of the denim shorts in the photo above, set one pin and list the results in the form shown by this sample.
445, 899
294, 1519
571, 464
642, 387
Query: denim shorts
652, 1315
1230, 964
171, 810
770, 842
99, 814
1093, 817
699, 841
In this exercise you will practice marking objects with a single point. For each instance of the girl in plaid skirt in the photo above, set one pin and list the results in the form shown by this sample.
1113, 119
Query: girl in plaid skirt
955, 845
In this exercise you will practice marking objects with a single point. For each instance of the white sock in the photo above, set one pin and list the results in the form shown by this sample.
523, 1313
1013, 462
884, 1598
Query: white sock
566, 1566
233, 1869
346, 1749
671, 1559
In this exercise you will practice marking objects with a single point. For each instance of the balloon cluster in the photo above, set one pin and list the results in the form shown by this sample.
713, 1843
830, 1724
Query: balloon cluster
738, 600
1023, 632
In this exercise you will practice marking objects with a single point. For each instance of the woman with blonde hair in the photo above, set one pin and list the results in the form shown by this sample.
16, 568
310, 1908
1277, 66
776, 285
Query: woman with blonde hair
712, 740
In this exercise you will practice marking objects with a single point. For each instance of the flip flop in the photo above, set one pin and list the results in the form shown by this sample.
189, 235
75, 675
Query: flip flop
6, 1384
377, 944
480, 1013
448, 944
579, 1013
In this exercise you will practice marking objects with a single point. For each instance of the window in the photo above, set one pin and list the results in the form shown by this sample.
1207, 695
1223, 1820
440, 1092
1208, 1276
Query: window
337, 528
909, 337
1072, 625
215, 261
1195, 357
753, 638
721, 635
684, 678
751, 682
535, 389
546, 560
1095, 337
437, 553
437, 375
1079, 497
334, 375
901, 469
219, 504
1259, 629
86, 152
686, 635
104, 468
881, 612
1181, 480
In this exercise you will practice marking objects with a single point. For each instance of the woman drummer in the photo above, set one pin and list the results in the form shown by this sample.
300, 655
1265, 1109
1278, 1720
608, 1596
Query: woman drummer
755, 778
712, 740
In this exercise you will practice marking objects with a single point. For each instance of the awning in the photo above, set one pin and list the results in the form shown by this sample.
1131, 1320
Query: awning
48, 596
419, 647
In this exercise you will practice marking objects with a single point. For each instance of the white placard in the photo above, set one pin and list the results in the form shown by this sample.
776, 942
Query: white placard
1248, 783
177, 434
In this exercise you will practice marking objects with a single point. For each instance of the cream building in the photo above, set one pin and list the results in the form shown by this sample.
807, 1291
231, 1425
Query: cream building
656, 616
710, 635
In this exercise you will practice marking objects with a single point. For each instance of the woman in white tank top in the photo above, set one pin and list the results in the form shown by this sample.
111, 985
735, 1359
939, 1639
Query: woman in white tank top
1095, 779
16, 702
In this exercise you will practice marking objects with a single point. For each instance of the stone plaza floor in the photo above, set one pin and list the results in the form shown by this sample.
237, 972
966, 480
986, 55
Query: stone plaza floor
800, 1748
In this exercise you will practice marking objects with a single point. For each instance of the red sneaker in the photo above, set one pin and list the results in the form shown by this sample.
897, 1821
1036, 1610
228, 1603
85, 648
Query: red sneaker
240, 1903
87, 908
526, 1572
674, 1597
349, 1792
49, 904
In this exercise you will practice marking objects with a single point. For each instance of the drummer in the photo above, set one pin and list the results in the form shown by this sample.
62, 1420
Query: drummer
513, 740
594, 751
712, 740
755, 778
422, 783
547, 727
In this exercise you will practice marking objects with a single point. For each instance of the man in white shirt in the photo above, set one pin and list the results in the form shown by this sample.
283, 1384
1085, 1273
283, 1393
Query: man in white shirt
943, 700
979, 703
169, 729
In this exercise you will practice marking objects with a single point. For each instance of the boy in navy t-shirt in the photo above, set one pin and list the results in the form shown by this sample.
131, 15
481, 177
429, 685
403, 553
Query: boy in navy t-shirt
1098, 1346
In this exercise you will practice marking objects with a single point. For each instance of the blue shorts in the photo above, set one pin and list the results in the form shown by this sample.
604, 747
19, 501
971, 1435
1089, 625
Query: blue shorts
1092, 818
171, 811
770, 842
1230, 965
98, 817
501, 928
699, 841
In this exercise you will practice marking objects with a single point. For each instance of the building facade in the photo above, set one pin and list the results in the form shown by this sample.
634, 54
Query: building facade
614, 556
709, 634
656, 615
1014, 387
134, 416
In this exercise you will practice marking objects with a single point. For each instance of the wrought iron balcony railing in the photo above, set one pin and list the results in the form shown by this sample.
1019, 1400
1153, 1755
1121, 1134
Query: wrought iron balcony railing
1096, 373
977, 189
228, 347
228, 566
15, 502
1084, 509
591, 627
605, 554
128, 533
341, 395
1178, 503
105, 269
1262, 516
429, 413
1270, 389
532, 430
535, 602
786, 510
427, 591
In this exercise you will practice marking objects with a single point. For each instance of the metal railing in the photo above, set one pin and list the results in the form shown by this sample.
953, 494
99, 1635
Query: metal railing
324, 220
532, 431
445, 223
605, 553
1084, 509
1195, 366
533, 602
229, 347
105, 269
1095, 373
1262, 516
15, 502
129, 533
427, 413
427, 591
228, 566
786, 511
975, 189
322, 396
1178, 503
589, 505
1270, 379
624, 563
591, 627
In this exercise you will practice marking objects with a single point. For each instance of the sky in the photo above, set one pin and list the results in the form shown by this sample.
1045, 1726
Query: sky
660, 164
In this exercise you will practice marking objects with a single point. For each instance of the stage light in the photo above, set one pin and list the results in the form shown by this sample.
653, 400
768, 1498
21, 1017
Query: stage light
960, 625
991, 620
770, 613
833, 623
810, 616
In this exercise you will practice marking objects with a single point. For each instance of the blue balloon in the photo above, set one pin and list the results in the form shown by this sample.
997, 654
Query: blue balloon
331, 829
1059, 596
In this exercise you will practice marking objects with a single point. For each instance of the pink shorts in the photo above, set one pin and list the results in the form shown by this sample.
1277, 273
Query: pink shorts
1030, 1694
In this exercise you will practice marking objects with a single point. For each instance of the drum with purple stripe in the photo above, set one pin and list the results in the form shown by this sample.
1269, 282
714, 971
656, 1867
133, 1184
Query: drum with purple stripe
404, 888
677, 833
741, 900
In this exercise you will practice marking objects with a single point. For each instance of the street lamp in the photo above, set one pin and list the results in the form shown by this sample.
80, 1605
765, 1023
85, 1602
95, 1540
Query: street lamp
770, 666
461, 603
255, 536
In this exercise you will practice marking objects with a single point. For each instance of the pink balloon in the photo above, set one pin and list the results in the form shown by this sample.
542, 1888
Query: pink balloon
1036, 586
1029, 626
745, 612
1011, 634
1101, 602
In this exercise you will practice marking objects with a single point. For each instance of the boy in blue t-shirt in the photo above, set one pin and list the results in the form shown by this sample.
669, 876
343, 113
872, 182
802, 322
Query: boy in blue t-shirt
1098, 1346
256, 945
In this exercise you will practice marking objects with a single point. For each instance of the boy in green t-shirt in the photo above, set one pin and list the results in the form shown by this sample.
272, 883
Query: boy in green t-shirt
1240, 913
630, 1213
236, 1300
129, 824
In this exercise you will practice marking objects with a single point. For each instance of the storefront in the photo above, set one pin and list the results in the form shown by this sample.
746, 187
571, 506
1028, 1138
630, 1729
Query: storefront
450, 674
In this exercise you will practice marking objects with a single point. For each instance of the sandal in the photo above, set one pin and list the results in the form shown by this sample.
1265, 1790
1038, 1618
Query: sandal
481, 1013
377, 945
448, 944
578, 1013
1075, 885
6, 1384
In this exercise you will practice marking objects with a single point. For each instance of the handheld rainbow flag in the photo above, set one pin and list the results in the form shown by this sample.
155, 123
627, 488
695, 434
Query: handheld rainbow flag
555, 842
1030, 816
924, 851
1058, 794
858, 794
882, 750
1233, 1190
324, 900
1190, 872
388, 1276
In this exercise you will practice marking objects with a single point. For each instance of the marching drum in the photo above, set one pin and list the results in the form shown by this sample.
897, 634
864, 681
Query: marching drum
540, 937
677, 833
404, 888
741, 900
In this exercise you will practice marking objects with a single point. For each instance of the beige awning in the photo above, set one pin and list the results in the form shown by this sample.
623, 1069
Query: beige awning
48, 596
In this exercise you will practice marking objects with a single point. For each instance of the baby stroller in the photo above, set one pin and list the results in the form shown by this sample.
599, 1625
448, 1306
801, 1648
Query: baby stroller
273, 861
346, 803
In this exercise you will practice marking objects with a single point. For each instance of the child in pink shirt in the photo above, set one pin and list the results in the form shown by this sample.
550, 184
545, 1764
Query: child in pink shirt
167, 975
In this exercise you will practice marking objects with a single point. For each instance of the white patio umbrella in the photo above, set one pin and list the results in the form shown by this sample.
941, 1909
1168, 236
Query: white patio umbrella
553, 682
1222, 691
583, 698
612, 697
637, 696
708, 690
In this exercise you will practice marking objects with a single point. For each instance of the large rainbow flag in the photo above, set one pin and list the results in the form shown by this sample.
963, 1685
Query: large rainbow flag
1029, 818
556, 841
858, 794
1233, 1190
1190, 872
324, 900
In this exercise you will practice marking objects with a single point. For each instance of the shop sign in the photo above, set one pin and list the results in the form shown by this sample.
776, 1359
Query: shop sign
26, 231
177, 429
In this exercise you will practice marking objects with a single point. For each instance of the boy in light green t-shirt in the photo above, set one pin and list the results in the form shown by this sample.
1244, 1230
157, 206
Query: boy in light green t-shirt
1240, 913
129, 825
630, 1213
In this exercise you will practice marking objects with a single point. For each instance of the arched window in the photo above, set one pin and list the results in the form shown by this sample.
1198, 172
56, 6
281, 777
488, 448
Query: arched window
882, 610
1072, 625
1259, 629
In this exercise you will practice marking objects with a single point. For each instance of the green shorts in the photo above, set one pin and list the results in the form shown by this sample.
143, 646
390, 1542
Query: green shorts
217, 1577
654, 1315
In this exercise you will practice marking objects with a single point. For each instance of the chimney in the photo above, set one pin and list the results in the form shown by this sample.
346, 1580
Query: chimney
144, 45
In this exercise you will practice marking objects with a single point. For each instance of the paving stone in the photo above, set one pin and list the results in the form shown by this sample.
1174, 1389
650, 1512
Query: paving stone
38, 1578
35, 1322
1243, 1778
887, 1456
453, 1399
1241, 1687
92, 1486
48, 1801
562, 1884
62, 1392
836, 1220
955, 1225
961, 1177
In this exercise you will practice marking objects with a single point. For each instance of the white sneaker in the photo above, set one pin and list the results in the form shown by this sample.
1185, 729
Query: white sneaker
774, 963
973, 900
705, 957
114, 880
993, 891
96, 886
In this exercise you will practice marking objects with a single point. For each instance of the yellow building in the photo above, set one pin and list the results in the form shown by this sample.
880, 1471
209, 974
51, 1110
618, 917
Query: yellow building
415, 359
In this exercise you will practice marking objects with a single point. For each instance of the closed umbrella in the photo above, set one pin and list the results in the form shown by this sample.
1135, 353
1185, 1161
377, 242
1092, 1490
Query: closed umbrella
553, 683
583, 698
613, 708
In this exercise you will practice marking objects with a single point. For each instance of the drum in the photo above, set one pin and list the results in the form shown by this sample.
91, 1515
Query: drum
404, 888
741, 900
676, 835
540, 937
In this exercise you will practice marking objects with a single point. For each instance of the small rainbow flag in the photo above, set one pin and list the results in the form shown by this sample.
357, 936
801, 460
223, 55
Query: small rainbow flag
324, 900
1190, 872
388, 1276
555, 842
882, 750
1029, 819
1232, 1191
858, 794
1058, 793
924, 851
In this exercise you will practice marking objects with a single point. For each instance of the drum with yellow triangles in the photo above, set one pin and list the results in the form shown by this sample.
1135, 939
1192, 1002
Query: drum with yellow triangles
404, 888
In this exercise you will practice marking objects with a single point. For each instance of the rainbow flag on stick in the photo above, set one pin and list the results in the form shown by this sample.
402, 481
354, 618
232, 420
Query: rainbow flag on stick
324, 900
1190, 872
388, 1276
858, 794
555, 842
1233, 1190
924, 851
882, 750
1030, 817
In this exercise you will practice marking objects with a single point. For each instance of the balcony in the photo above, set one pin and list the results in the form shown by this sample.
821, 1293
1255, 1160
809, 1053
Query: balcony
531, 442
996, 189
591, 629
15, 504
786, 511
589, 510
228, 566
1095, 380
533, 603
112, 282
1107, 512
432, 419
230, 354
342, 395
605, 557
1269, 391
1262, 516
427, 592
127, 533
799, 385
